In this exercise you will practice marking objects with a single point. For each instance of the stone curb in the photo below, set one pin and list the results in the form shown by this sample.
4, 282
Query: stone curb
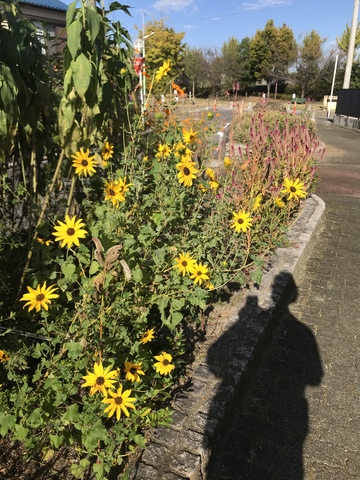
182, 450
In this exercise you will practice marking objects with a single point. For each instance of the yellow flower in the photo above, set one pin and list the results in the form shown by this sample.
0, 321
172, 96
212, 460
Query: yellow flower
214, 185
163, 70
133, 370
185, 263
69, 232
163, 152
241, 221
187, 171
199, 273
227, 162
44, 241
163, 364
209, 286
147, 336
83, 163
181, 150
189, 136
257, 202
210, 173
279, 202
295, 189
120, 402
40, 297
107, 151
100, 380
4, 357
123, 186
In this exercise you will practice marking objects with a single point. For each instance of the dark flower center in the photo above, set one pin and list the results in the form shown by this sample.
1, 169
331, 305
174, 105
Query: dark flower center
100, 380
40, 297
111, 192
199, 273
84, 162
133, 370
121, 188
292, 189
240, 220
165, 362
186, 171
184, 263
70, 232
118, 400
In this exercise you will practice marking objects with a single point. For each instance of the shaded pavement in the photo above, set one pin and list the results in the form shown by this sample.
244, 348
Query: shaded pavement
299, 415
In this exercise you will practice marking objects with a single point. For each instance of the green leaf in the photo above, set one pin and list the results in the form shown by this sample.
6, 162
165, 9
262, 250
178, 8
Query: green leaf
21, 433
70, 12
79, 470
137, 274
75, 349
74, 37
81, 69
56, 440
71, 415
91, 437
94, 267
68, 269
7, 422
99, 470
35, 419
94, 23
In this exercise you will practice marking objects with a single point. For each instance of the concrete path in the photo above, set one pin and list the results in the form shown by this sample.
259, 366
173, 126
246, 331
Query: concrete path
299, 418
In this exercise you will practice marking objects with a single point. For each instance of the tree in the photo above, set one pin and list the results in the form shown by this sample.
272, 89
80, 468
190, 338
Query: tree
163, 44
344, 40
310, 61
195, 70
272, 51
231, 60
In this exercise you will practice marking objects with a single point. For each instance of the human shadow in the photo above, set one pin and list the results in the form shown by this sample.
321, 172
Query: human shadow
262, 434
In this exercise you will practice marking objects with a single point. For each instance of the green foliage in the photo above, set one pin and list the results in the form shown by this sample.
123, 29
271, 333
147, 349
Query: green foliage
122, 294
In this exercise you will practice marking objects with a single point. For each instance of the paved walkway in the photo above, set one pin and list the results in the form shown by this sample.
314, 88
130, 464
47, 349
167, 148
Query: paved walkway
300, 416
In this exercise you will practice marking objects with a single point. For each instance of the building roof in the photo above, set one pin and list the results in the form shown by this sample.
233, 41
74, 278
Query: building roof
50, 4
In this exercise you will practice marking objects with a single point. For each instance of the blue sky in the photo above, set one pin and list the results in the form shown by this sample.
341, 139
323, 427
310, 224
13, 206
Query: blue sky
210, 23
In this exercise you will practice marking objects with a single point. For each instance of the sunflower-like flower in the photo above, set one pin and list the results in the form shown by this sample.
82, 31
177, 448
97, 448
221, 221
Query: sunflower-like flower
189, 136
187, 171
185, 263
107, 151
70, 232
210, 173
295, 189
181, 150
112, 192
241, 221
83, 163
119, 402
133, 370
4, 357
101, 379
257, 202
279, 202
227, 162
163, 364
163, 152
163, 70
214, 185
44, 241
199, 273
147, 336
40, 297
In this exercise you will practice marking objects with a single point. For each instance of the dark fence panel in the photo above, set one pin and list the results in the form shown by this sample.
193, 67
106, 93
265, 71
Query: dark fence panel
348, 102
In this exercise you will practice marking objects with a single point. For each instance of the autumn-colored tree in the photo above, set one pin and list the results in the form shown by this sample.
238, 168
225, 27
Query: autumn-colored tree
272, 52
163, 43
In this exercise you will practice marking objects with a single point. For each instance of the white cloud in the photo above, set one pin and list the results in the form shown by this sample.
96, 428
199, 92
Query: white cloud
176, 5
190, 27
260, 4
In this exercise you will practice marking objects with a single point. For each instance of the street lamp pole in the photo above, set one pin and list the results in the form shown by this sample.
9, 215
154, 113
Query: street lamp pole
350, 55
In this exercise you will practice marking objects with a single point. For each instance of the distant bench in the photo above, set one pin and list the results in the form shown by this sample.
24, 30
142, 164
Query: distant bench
298, 100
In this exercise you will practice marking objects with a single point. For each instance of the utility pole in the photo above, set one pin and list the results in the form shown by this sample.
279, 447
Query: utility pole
350, 56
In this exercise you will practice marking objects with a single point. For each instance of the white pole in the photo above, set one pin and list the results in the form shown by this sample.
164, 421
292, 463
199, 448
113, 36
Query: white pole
332, 86
350, 56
